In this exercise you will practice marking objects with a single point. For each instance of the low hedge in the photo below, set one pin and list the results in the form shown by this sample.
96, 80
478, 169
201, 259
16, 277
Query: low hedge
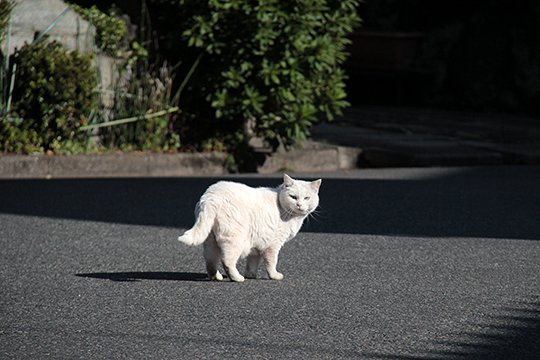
53, 96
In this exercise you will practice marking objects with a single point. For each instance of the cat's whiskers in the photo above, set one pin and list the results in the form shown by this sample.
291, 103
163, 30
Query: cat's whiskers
315, 215
289, 213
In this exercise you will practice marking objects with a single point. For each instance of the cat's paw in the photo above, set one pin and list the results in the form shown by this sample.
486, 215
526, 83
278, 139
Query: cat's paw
217, 277
237, 278
276, 276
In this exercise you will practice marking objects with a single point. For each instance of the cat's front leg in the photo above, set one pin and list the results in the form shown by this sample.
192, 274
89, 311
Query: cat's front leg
270, 257
252, 265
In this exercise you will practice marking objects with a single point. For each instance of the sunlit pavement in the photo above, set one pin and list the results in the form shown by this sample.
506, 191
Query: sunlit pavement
436, 263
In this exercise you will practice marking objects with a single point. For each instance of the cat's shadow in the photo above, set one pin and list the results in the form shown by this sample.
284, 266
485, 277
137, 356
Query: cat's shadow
146, 275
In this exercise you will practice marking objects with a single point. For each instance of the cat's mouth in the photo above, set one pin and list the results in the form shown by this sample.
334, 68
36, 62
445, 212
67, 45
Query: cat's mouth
296, 212
301, 211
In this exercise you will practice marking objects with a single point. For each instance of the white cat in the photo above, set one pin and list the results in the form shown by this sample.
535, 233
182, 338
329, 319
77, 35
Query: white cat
234, 220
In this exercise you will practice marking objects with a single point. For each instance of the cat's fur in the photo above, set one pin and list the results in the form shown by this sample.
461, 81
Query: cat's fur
234, 220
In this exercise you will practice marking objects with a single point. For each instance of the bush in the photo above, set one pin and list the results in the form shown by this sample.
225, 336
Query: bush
142, 92
270, 69
110, 28
53, 95
140, 107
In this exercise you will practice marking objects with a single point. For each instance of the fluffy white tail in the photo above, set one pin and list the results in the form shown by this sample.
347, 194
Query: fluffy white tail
203, 225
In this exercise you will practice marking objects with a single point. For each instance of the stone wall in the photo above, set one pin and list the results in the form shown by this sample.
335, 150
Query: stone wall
29, 17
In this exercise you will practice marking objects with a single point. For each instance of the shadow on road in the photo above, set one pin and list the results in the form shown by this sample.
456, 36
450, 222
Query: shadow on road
142, 275
482, 202
511, 333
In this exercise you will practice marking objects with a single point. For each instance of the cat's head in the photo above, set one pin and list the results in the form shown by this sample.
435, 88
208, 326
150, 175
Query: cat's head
299, 197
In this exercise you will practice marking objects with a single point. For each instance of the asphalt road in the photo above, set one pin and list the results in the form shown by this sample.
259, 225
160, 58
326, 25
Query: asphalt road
397, 264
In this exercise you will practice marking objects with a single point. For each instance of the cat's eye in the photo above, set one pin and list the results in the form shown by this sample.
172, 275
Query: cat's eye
307, 198
294, 197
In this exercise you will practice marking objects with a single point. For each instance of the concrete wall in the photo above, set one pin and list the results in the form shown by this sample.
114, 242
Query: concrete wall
29, 17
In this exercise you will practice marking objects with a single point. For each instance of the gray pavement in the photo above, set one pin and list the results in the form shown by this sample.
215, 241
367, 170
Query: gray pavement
438, 263
399, 137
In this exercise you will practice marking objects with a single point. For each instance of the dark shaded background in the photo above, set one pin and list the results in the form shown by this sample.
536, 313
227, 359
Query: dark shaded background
466, 55
471, 55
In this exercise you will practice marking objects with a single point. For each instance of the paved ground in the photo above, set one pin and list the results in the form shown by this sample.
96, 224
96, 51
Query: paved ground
399, 137
398, 264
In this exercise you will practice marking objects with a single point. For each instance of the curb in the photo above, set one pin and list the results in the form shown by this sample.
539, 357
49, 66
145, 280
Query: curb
111, 165
314, 157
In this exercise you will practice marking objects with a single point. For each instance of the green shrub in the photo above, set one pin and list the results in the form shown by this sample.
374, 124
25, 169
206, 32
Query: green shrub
15, 138
110, 28
270, 69
52, 97
141, 92
140, 105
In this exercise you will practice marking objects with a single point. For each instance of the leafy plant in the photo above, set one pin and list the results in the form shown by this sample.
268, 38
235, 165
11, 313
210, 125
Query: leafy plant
110, 28
143, 97
53, 95
270, 69
144, 105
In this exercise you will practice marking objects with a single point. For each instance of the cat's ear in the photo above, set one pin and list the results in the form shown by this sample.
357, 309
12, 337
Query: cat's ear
287, 180
315, 185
